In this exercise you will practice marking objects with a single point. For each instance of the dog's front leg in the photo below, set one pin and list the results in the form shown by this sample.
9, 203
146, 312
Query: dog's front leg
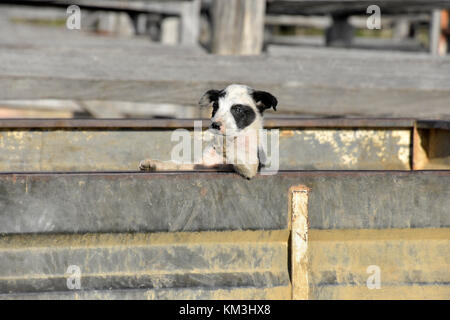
158, 165
210, 160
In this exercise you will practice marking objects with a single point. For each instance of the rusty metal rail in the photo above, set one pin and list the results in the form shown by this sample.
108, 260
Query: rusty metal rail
114, 124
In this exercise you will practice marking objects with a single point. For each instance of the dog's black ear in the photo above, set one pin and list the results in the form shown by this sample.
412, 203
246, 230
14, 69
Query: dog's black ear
209, 97
264, 100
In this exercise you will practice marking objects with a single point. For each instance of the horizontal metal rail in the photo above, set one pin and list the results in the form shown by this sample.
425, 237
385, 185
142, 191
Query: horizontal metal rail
213, 201
189, 123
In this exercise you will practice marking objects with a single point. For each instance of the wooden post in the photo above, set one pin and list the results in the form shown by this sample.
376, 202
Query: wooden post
435, 31
340, 33
401, 28
190, 22
170, 27
238, 27
439, 29
298, 205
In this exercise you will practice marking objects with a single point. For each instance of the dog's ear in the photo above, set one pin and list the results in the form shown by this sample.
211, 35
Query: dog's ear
264, 100
209, 97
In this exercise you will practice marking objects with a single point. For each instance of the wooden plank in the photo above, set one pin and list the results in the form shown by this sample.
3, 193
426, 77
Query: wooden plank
238, 26
98, 109
187, 10
315, 82
27, 113
23, 36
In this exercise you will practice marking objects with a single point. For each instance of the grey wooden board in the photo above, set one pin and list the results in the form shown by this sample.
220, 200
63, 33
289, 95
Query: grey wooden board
158, 6
314, 7
149, 202
318, 83
153, 261
189, 12
119, 150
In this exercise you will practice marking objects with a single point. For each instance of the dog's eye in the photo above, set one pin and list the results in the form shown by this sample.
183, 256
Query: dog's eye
238, 109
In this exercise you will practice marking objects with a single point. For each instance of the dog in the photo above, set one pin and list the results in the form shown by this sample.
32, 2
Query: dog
236, 122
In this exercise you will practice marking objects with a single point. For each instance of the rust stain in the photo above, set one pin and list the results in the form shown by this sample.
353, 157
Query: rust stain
286, 133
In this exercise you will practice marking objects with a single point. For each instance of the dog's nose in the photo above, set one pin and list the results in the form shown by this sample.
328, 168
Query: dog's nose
216, 125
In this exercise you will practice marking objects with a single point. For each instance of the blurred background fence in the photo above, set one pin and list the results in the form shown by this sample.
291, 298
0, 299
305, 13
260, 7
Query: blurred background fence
152, 59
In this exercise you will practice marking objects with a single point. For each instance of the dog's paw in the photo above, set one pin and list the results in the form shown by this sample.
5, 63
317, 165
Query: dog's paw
148, 165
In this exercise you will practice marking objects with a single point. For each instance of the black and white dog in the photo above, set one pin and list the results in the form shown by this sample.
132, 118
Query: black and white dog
237, 120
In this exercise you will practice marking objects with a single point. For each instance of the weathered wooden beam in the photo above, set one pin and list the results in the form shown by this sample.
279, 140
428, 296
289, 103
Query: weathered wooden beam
238, 27
314, 82
187, 10
24, 36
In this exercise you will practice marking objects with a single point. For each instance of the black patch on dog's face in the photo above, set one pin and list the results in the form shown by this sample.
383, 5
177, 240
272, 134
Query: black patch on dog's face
243, 115
212, 96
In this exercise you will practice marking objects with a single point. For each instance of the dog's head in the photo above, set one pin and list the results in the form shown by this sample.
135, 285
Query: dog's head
237, 107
